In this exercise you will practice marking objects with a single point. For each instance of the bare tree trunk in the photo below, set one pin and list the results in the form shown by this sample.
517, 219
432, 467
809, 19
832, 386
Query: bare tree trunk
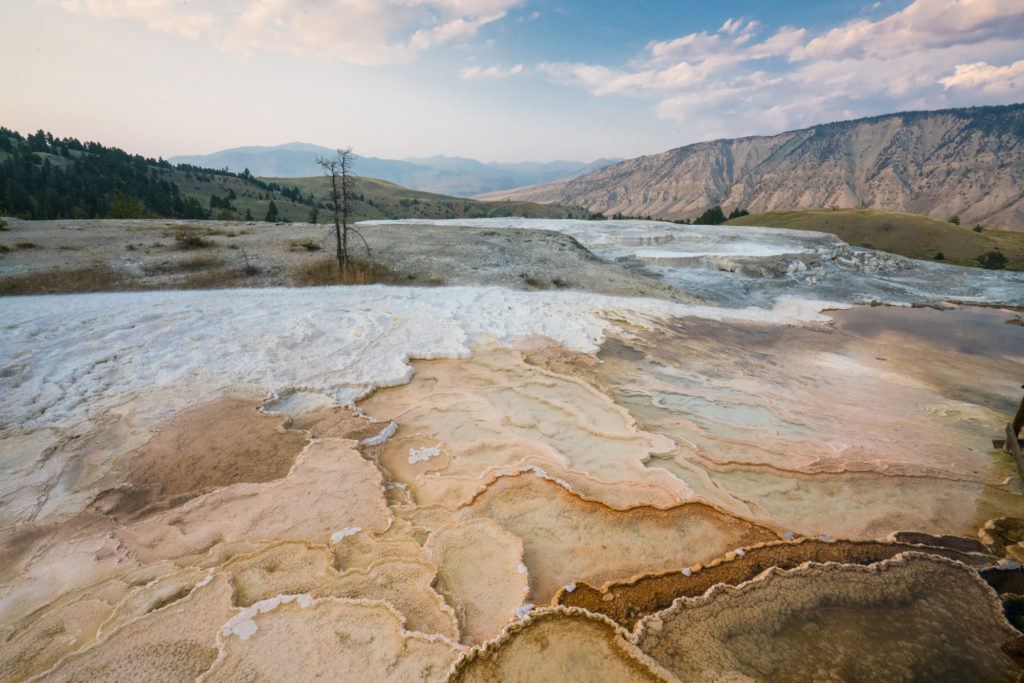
339, 170
345, 162
337, 224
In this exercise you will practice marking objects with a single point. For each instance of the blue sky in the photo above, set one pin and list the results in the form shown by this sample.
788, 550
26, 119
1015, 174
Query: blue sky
507, 80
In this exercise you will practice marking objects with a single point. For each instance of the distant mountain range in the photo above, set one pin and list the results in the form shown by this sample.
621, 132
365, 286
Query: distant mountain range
456, 176
956, 162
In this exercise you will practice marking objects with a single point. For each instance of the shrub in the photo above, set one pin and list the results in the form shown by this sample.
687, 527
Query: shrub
25, 245
324, 271
531, 281
955, 220
3, 224
979, 228
939, 256
993, 260
250, 268
191, 240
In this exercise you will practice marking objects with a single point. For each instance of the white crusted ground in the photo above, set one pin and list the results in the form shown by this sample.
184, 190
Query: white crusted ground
66, 357
743, 266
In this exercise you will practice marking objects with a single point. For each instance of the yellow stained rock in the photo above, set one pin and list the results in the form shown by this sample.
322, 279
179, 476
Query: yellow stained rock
175, 642
480, 572
332, 639
558, 644
567, 538
462, 422
330, 488
914, 617
295, 568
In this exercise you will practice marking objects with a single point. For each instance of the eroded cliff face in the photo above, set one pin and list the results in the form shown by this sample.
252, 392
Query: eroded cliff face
968, 162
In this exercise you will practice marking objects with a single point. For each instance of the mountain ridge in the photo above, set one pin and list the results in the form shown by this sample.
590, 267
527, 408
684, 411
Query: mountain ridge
453, 175
967, 162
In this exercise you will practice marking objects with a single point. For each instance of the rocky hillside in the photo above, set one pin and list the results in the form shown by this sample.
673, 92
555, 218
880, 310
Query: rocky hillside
963, 162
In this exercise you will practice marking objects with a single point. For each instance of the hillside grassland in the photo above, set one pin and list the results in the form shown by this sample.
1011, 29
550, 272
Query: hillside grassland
43, 177
910, 235
378, 199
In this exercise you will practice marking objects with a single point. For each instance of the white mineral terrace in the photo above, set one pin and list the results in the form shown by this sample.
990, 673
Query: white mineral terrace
477, 483
743, 266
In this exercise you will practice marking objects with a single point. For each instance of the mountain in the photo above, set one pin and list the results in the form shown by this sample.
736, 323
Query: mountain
44, 177
955, 162
457, 176
375, 199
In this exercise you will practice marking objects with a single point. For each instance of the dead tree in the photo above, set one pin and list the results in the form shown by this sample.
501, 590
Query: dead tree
339, 170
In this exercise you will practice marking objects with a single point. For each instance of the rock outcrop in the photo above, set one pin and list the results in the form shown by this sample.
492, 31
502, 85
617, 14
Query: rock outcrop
965, 162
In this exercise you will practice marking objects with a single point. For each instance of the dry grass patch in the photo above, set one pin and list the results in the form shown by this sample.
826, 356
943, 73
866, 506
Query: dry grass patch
325, 271
188, 265
191, 240
308, 245
96, 278
217, 279
905, 234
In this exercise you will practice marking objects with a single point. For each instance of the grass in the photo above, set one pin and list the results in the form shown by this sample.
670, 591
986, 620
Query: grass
217, 279
96, 278
905, 234
379, 200
188, 265
191, 240
308, 245
324, 271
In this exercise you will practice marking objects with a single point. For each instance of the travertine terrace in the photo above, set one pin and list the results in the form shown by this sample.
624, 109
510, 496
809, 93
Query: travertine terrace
475, 483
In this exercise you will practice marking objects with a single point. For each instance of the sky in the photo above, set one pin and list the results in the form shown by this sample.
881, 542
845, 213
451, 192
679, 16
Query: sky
496, 80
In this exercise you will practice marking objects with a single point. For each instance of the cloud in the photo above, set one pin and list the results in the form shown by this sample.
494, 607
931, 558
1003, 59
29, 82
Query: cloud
734, 26
924, 24
987, 78
456, 28
471, 72
357, 31
742, 80
160, 15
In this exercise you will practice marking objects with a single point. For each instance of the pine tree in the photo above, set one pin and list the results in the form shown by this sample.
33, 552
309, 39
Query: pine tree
272, 215
713, 216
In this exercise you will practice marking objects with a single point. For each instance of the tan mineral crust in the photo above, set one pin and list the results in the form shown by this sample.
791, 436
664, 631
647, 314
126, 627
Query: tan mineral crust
695, 500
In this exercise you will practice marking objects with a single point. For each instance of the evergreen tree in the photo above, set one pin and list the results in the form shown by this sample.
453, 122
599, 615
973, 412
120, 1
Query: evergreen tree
272, 215
993, 260
93, 181
713, 216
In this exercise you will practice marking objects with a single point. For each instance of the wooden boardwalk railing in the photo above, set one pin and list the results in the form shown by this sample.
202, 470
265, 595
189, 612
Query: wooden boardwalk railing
1013, 437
